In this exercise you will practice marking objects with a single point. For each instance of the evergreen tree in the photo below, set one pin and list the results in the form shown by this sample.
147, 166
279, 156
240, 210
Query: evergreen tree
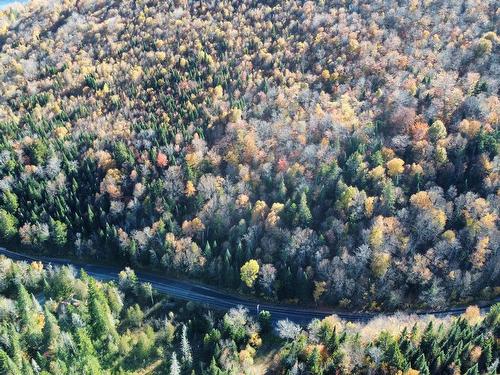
473, 370
24, 304
187, 357
59, 233
304, 216
428, 345
10, 201
101, 320
421, 365
492, 369
486, 354
389, 197
4, 363
51, 331
394, 357
7, 366
314, 362
8, 225
213, 369
174, 365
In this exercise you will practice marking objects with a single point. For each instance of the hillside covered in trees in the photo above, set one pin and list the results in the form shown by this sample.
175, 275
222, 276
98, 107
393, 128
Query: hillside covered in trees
342, 153
56, 322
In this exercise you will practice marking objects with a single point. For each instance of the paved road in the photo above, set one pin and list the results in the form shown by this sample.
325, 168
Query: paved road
211, 297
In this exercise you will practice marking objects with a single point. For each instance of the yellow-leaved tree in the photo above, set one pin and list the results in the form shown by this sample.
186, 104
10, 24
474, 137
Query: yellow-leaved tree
249, 272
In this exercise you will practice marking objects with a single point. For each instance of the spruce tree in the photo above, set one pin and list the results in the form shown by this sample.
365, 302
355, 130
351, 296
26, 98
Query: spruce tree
175, 369
394, 357
187, 357
486, 354
473, 370
314, 362
4, 363
304, 216
421, 365
51, 331
213, 369
24, 304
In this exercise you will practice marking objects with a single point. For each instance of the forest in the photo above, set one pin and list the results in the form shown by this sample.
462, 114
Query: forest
332, 153
57, 321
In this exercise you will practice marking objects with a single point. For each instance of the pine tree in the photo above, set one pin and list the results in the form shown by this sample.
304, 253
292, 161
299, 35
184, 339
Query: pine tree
8, 225
51, 330
175, 369
421, 365
394, 356
101, 320
428, 345
24, 304
314, 362
59, 233
304, 216
213, 369
10, 201
187, 357
4, 363
492, 369
389, 197
473, 370
486, 355
282, 191
208, 251
26, 368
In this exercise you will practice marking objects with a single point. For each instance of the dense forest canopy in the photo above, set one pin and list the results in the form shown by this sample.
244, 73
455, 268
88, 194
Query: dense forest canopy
331, 152
56, 321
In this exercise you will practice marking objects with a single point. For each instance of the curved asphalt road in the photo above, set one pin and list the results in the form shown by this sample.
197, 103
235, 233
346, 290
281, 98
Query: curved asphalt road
213, 298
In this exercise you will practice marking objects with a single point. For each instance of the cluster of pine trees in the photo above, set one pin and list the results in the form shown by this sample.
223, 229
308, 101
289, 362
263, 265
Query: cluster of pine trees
466, 345
54, 322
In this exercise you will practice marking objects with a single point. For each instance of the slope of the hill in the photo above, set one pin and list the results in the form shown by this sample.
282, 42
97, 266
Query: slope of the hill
337, 152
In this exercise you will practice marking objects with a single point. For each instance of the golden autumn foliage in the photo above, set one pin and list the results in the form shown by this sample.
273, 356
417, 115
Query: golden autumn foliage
395, 166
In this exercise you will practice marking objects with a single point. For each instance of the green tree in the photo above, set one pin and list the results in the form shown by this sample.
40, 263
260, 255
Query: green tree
122, 154
51, 331
59, 233
314, 362
265, 320
421, 365
134, 315
437, 131
101, 319
24, 304
10, 201
87, 354
62, 283
304, 216
486, 354
8, 225
213, 369
394, 357
144, 346
38, 152
472, 371
7, 366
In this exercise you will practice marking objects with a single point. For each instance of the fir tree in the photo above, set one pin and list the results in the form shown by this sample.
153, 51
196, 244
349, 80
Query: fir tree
187, 357
473, 370
421, 365
486, 354
174, 365
304, 216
